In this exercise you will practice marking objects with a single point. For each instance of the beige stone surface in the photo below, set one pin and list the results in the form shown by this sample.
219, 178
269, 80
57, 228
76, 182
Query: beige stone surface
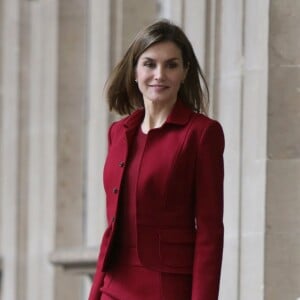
127, 19
283, 197
136, 15
23, 152
284, 32
282, 259
71, 136
71, 116
284, 112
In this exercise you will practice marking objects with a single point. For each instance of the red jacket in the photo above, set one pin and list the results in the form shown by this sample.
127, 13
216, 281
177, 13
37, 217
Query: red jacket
179, 198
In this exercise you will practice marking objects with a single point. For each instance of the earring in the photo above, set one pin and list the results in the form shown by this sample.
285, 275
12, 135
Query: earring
135, 80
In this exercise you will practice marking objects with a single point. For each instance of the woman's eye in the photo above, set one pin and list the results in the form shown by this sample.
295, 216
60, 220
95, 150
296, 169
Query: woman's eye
149, 64
172, 65
169, 65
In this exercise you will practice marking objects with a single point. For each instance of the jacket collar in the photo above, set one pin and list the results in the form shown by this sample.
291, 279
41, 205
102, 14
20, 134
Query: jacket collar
179, 115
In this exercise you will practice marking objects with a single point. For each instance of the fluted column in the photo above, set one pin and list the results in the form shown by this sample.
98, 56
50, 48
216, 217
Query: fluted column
227, 77
42, 160
71, 136
254, 149
9, 146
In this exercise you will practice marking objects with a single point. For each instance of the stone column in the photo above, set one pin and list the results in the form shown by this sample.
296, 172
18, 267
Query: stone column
99, 55
41, 160
195, 16
99, 36
240, 102
28, 152
282, 264
23, 149
71, 136
227, 107
9, 142
253, 149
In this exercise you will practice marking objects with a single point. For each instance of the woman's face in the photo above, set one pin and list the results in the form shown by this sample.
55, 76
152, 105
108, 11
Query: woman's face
160, 72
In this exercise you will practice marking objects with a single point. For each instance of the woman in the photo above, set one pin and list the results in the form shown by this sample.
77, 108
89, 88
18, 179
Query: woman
163, 177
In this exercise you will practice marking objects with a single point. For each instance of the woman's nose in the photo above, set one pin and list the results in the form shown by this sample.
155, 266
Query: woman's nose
159, 73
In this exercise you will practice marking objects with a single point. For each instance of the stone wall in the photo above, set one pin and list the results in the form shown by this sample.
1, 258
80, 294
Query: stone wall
55, 58
282, 278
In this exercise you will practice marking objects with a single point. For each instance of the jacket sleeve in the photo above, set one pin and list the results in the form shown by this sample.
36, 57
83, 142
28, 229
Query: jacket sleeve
208, 214
95, 293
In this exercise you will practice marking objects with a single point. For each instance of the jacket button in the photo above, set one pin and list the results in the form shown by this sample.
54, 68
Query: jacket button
115, 190
122, 164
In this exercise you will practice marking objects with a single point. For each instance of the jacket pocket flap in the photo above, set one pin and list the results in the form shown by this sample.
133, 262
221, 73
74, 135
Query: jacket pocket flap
177, 236
176, 248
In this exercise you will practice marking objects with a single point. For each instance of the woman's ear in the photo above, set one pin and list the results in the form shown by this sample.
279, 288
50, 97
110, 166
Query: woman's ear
135, 75
186, 69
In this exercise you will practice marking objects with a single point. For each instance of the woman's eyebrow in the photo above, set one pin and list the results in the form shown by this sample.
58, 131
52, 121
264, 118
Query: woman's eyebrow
169, 59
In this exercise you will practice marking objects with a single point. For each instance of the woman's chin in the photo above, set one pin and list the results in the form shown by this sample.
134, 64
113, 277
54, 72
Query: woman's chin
160, 101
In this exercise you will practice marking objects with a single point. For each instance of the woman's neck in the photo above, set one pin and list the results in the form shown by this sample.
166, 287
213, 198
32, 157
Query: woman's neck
155, 115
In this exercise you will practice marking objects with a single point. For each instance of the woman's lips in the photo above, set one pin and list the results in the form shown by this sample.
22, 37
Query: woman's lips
158, 87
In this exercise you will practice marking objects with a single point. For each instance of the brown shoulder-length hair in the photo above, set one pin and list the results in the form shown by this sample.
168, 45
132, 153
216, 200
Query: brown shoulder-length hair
123, 94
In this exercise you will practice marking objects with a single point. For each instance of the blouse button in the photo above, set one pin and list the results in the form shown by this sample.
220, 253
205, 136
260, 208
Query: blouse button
122, 164
115, 190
